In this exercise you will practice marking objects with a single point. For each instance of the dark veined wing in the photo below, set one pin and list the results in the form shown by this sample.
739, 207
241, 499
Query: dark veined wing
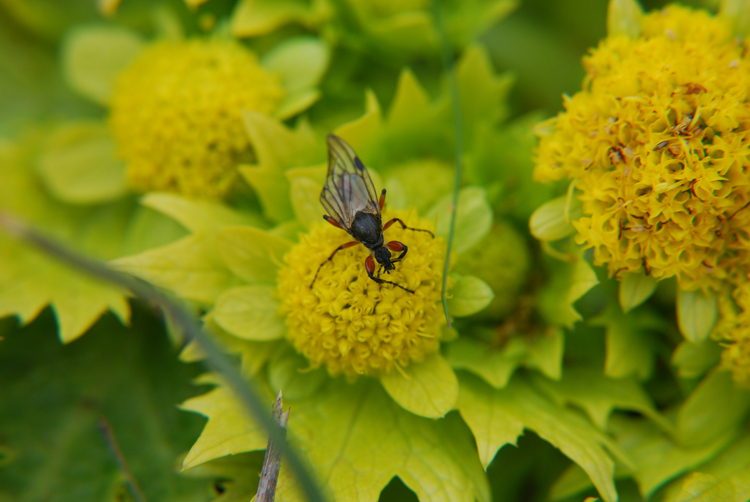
348, 188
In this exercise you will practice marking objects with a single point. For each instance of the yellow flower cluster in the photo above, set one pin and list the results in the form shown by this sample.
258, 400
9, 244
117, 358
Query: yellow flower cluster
734, 328
657, 145
176, 114
347, 321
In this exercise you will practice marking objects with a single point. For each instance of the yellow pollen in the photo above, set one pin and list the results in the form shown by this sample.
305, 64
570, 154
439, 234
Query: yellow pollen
347, 321
176, 114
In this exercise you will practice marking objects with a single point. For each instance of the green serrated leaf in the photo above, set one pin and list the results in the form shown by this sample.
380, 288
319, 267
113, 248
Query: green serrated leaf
629, 343
473, 219
228, 430
469, 295
190, 267
198, 215
79, 165
249, 312
715, 407
599, 396
494, 366
701, 487
277, 148
252, 254
496, 417
429, 389
656, 456
94, 56
635, 288
546, 353
54, 397
624, 18
568, 282
356, 432
696, 314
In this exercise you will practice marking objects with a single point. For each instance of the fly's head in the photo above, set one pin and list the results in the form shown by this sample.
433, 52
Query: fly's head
383, 256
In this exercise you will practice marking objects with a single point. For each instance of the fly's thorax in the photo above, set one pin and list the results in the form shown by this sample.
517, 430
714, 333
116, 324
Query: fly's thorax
368, 229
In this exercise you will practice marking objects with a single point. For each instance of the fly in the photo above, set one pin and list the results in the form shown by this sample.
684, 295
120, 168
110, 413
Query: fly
352, 204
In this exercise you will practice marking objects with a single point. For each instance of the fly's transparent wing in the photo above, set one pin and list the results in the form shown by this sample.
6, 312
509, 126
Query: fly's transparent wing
348, 188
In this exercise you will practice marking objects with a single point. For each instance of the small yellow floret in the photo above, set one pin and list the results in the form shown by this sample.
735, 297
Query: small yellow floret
176, 114
347, 321
658, 144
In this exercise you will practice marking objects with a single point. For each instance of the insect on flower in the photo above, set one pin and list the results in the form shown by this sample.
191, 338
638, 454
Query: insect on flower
351, 201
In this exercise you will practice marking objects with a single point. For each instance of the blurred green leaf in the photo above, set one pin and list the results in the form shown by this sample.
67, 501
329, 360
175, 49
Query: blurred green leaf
469, 295
635, 288
551, 221
299, 61
79, 165
249, 312
738, 11
252, 254
696, 314
694, 359
290, 373
624, 18
568, 283
473, 218
717, 406
656, 457
53, 396
93, 56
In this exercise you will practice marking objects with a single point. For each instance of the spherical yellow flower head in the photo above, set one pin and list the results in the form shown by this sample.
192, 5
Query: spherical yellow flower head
347, 321
733, 329
176, 114
657, 144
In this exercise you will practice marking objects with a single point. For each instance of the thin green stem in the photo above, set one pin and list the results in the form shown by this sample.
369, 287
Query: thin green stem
215, 360
455, 98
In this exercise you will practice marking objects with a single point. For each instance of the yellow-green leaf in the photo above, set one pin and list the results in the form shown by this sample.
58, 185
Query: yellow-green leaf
252, 254
306, 200
296, 102
635, 288
473, 219
430, 388
79, 164
249, 312
494, 366
299, 61
599, 396
715, 407
738, 11
624, 18
694, 359
94, 56
290, 373
197, 215
551, 221
696, 314
228, 430
497, 416
252, 18
470, 295
190, 267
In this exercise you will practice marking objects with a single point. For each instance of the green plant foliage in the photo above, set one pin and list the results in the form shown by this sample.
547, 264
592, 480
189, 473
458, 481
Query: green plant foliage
54, 395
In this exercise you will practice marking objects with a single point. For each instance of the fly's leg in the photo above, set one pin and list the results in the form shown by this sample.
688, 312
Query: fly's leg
403, 225
370, 268
398, 246
330, 258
